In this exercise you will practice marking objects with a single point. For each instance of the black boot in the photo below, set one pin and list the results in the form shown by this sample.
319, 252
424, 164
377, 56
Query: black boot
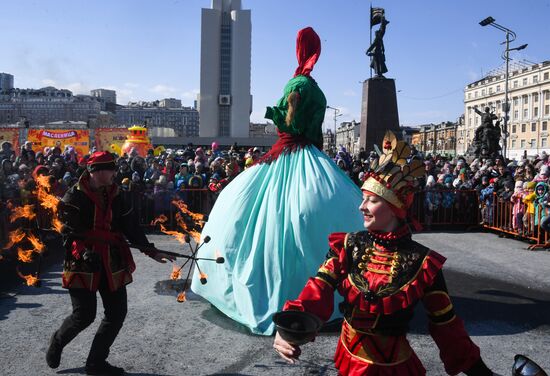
103, 368
53, 355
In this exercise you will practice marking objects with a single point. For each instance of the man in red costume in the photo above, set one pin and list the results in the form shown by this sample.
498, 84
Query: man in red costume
97, 218
382, 274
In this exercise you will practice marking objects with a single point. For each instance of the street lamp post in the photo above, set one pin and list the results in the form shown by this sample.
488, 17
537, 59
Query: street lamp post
336, 115
510, 37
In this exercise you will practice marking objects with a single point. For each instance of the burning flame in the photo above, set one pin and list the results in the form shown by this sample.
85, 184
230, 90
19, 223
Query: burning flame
176, 273
23, 212
24, 255
57, 225
203, 275
182, 206
181, 297
187, 228
37, 244
160, 220
15, 237
46, 199
30, 280
176, 234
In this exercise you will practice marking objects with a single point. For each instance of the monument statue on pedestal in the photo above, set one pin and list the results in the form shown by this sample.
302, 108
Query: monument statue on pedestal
379, 102
486, 139
376, 50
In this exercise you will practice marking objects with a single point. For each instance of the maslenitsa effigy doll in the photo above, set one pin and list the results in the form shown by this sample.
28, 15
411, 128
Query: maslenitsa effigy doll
272, 221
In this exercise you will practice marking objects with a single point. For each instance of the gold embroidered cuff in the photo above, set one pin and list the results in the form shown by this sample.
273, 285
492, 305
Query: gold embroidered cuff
374, 186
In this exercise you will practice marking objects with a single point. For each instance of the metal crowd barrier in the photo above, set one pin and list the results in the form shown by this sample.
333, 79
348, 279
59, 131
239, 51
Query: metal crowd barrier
448, 208
499, 217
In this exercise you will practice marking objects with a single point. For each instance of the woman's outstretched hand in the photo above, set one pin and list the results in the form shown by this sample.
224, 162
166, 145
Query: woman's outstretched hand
288, 352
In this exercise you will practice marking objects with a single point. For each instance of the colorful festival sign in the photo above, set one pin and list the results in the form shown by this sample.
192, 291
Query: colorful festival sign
78, 138
105, 137
11, 135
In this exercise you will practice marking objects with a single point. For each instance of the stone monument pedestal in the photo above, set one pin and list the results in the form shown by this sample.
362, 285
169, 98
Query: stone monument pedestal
378, 112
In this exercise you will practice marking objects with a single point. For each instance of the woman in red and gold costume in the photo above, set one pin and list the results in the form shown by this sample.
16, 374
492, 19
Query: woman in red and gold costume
382, 274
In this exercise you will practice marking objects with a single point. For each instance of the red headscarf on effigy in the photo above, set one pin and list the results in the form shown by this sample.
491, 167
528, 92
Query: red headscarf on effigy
308, 49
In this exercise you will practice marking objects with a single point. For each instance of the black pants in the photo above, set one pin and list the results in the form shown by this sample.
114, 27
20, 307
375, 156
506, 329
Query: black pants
84, 302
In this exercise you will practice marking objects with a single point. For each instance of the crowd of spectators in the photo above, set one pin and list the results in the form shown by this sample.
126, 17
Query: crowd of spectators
521, 187
158, 179
193, 174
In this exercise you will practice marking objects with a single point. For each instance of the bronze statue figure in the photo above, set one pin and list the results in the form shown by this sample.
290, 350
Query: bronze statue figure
376, 50
486, 140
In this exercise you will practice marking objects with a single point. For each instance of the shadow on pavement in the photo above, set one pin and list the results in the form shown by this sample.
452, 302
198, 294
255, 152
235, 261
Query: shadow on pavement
308, 368
8, 300
171, 287
218, 318
502, 308
82, 371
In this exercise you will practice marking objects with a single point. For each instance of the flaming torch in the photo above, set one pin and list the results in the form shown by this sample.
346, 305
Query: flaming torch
29, 212
191, 225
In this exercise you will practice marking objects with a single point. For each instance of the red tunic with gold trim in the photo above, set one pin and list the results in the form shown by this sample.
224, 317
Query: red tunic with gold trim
96, 226
381, 286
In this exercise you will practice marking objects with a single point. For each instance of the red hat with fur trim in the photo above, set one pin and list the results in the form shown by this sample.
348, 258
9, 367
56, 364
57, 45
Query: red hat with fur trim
101, 160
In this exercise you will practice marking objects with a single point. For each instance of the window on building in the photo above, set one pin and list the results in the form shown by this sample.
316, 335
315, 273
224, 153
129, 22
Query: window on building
515, 84
525, 99
547, 109
533, 143
516, 114
535, 97
535, 79
535, 111
498, 88
546, 75
524, 81
525, 113
513, 144
547, 95
516, 101
522, 144
544, 126
469, 95
482, 92
514, 128
543, 142
523, 127
490, 90
533, 127
475, 94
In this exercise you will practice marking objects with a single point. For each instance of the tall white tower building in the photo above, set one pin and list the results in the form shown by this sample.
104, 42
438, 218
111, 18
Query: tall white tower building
225, 102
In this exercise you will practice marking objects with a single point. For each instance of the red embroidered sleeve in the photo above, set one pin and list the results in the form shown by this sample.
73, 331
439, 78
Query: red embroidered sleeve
456, 349
317, 297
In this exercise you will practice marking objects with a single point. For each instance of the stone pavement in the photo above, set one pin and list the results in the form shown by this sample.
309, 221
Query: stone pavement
499, 289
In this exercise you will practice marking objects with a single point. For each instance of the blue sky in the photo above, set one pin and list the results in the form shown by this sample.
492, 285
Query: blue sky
149, 50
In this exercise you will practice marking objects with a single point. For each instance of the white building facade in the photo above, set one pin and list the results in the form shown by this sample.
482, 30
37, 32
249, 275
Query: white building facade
225, 102
347, 135
529, 115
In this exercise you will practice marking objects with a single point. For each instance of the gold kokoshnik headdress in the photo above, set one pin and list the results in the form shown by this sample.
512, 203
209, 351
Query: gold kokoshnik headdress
393, 176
